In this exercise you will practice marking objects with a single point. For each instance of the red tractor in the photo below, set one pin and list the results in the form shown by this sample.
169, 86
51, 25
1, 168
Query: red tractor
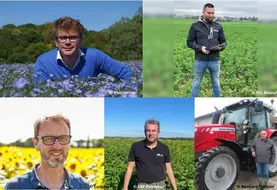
223, 148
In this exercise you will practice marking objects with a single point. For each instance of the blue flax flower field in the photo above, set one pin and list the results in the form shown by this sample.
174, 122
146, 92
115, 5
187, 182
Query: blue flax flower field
16, 81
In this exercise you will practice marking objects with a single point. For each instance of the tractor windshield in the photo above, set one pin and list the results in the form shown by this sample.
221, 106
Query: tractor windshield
236, 116
257, 123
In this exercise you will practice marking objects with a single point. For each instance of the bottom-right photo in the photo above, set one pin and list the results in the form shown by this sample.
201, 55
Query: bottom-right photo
235, 143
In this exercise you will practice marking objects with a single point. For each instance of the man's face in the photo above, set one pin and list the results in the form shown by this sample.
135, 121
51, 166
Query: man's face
56, 154
263, 135
151, 132
71, 45
208, 14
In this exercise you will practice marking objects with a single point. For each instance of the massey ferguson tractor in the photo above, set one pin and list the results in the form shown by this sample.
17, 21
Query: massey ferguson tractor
223, 148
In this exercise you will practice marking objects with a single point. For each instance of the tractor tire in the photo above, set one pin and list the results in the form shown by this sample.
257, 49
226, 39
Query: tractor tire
217, 169
273, 168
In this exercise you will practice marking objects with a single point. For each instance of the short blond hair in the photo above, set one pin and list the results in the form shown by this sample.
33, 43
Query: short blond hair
66, 24
54, 118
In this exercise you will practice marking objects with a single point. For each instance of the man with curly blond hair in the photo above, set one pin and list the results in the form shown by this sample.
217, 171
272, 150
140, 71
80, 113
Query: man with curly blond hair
68, 58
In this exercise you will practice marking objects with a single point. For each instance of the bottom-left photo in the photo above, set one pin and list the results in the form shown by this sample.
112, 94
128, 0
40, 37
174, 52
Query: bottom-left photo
52, 143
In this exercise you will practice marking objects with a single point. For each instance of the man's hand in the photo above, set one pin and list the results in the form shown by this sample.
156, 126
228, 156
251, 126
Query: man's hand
203, 48
253, 154
171, 175
128, 174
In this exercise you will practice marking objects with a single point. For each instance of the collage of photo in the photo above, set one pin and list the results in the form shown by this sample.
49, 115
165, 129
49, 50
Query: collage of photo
138, 95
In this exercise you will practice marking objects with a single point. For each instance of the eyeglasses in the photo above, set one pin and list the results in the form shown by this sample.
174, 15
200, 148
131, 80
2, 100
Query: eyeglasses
50, 140
63, 39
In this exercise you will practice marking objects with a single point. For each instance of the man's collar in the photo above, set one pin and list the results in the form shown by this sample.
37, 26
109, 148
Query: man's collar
36, 183
201, 18
145, 140
80, 54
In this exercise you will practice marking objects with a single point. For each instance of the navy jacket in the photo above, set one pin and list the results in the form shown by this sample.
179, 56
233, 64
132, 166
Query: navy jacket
29, 180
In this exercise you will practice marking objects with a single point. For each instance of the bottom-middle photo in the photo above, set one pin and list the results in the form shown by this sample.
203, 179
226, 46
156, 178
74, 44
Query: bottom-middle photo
149, 143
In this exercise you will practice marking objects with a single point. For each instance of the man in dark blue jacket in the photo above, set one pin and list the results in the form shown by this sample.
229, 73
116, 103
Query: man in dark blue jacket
204, 37
68, 58
52, 137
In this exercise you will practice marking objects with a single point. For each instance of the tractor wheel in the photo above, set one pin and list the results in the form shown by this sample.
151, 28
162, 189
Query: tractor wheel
273, 168
217, 169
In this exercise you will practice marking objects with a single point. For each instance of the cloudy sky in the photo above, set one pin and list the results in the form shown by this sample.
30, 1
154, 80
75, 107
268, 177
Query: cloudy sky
264, 10
222, 7
204, 106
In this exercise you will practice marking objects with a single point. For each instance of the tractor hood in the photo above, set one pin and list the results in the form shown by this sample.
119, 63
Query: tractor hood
209, 126
205, 135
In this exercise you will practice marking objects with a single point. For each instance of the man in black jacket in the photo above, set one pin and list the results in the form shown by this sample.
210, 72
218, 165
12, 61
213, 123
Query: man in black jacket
204, 35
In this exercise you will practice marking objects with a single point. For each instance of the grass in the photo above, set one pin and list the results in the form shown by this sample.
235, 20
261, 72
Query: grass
157, 57
267, 59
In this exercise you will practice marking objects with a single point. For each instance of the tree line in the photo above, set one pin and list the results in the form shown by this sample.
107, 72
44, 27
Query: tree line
167, 138
24, 43
224, 18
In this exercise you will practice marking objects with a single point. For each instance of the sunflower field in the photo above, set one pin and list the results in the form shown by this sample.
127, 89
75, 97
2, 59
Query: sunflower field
88, 163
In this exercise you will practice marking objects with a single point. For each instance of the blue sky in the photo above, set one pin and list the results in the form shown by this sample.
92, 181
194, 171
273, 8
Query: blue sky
94, 15
126, 116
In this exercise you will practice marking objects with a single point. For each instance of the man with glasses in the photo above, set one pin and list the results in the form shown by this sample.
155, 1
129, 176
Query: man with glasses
70, 59
52, 139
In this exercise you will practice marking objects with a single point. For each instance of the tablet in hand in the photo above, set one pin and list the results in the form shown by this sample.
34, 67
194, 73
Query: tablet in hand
220, 45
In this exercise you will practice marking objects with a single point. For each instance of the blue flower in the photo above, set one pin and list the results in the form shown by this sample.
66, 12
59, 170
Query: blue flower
88, 94
20, 83
19, 76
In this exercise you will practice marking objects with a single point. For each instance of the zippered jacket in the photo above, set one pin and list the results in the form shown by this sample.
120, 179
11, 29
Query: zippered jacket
208, 35
265, 151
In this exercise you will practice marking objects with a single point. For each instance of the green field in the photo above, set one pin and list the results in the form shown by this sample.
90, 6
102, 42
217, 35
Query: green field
267, 59
238, 76
116, 160
158, 57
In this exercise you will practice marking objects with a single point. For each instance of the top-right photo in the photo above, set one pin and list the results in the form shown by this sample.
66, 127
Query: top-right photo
267, 49
215, 48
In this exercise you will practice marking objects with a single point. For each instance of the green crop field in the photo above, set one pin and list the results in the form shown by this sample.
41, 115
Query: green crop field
116, 160
267, 59
157, 57
238, 76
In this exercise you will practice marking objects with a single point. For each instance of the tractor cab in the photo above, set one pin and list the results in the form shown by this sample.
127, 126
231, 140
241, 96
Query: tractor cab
249, 117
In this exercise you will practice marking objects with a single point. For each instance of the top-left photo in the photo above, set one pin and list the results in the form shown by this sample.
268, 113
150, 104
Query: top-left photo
71, 49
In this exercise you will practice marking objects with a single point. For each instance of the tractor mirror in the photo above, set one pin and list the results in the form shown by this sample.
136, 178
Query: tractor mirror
259, 106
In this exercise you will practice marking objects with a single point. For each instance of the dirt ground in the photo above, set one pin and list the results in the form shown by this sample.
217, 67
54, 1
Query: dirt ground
247, 181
